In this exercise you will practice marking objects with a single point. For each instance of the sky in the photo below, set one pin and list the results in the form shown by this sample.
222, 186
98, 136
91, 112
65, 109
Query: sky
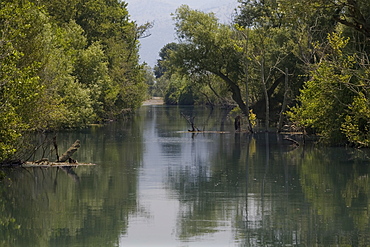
159, 12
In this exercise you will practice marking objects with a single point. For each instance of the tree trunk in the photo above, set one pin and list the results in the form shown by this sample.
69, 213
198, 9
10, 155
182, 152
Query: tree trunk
249, 124
236, 93
267, 101
285, 101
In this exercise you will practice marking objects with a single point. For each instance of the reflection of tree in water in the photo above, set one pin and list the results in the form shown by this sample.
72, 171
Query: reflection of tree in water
267, 194
206, 190
336, 183
272, 196
53, 209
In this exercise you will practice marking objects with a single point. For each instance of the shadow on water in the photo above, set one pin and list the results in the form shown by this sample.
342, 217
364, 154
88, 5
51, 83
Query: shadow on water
155, 183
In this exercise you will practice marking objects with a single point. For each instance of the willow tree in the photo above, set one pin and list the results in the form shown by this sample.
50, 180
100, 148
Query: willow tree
206, 46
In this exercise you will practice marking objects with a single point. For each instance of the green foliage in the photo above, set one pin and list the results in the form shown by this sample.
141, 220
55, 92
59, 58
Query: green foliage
186, 96
160, 69
19, 84
159, 87
325, 53
252, 117
78, 105
91, 70
150, 81
334, 102
66, 64
356, 125
259, 14
334, 99
8, 132
174, 90
206, 48
353, 14
319, 107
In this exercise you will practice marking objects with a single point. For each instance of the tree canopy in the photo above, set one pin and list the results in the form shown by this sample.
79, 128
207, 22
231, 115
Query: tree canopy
303, 64
66, 64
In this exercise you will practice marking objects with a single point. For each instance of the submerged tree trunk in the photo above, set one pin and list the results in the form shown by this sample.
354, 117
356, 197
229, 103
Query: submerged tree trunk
191, 122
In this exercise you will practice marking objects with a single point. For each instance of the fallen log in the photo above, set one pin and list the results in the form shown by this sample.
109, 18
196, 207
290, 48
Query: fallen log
63, 161
205, 132
67, 154
46, 164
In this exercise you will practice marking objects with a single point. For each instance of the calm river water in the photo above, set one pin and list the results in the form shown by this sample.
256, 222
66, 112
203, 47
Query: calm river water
155, 184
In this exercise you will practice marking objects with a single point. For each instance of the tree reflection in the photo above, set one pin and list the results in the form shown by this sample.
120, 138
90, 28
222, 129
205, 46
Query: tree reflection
335, 182
271, 194
50, 208
255, 187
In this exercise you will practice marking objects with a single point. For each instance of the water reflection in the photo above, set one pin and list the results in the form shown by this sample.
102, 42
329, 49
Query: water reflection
48, 207
158, 185
268, 197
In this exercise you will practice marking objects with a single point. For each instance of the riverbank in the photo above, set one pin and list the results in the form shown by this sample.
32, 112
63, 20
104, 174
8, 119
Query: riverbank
154, 101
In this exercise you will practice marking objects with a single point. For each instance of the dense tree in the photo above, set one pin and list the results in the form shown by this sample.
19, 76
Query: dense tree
180, 87
66, 64
313, 53
160, 68
334, 101
117, 71
20, 87
351, 13
250, 60
328, 40
207, 47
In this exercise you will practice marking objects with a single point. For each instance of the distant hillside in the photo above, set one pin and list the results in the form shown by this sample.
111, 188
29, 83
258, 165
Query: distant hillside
159, 12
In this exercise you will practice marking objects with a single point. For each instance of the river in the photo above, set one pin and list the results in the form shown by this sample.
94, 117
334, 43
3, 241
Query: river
156, 184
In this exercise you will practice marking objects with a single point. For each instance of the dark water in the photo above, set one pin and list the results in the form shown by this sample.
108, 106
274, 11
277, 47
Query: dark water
155, 184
